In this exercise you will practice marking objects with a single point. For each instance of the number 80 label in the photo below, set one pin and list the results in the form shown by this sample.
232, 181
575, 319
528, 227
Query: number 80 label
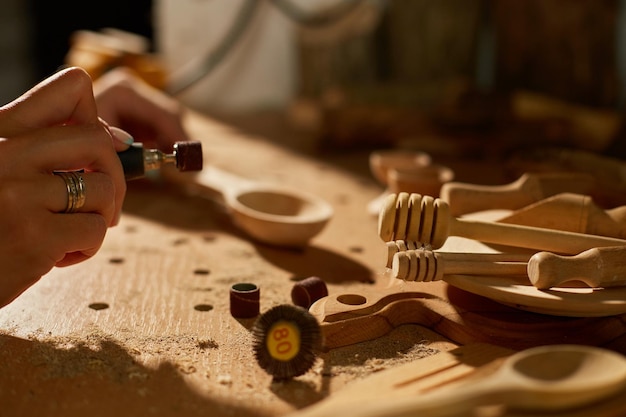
283, 340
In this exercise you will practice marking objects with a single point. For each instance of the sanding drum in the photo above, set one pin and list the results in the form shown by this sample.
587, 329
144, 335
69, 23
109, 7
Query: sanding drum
137, 160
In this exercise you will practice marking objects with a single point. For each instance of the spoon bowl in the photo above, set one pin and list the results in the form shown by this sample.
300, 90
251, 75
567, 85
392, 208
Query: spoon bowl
384, 160
278, 216
563, 376
271, 214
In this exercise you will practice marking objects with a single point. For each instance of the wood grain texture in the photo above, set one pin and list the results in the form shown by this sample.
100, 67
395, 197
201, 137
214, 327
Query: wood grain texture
438, 374
144, 328
159, 338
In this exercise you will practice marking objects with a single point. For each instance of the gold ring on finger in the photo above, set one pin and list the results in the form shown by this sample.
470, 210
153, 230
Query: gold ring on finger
75, 185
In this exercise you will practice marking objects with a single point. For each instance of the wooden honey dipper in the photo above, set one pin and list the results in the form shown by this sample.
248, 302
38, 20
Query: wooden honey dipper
426, 265
425, 219
396, 246
596, 267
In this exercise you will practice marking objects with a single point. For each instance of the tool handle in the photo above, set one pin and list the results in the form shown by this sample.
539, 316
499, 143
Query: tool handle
596, 267
133, 161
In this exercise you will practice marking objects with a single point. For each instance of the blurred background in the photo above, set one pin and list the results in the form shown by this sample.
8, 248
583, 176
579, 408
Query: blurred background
361, 74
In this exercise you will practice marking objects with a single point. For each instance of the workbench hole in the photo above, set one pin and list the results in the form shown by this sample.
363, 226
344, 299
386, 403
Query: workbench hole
98, 306
351, 299
356, 249
203, 307
116, 260
180, 241
201, 271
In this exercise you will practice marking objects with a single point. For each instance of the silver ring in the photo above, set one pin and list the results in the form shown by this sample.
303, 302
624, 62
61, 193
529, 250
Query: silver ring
75, 185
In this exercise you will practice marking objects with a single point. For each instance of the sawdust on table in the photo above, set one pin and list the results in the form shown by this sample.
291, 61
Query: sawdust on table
119, 358
66, 356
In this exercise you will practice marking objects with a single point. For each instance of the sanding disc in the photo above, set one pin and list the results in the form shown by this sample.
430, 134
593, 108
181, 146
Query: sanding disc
287, 338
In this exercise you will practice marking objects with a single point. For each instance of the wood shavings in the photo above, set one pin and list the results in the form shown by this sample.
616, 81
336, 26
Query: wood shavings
362, 359
96, 352
224, 380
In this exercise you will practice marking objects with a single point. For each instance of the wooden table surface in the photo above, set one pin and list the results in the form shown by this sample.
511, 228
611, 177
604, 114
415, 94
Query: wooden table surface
144, 327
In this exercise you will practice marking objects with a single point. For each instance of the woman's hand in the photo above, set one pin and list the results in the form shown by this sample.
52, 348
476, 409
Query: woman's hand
54, 127
151, 116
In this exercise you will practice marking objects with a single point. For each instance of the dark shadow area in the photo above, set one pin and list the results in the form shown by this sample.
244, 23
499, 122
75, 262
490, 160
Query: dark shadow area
165, 204
402, 344
77, 379
284, 390
54, 22
518, 329
315, 261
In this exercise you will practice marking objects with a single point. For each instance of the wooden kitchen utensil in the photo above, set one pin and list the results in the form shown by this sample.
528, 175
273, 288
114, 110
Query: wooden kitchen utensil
545, 378
269, 213
571, 212
527, 189
350, 317
396, 246
473, 308
408, 171
423, 180
381, 162
427, 220
418, 377
426, 265
596, 267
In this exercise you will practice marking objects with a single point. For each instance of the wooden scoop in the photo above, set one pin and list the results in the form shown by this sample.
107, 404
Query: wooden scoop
596, 267
272, 214
427, 220
546, 378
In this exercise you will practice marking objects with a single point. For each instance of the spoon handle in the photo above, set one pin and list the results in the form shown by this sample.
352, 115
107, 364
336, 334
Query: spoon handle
596, 267
446, 403
217, 184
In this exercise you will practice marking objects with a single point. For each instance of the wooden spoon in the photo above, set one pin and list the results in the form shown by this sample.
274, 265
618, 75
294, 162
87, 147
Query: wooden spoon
269, 213
546, 378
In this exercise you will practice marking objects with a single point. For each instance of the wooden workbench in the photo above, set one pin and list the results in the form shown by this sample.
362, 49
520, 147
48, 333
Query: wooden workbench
144, 327
167, 343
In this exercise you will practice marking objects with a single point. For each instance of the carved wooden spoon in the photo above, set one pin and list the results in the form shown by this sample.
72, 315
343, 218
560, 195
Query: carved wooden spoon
546, 378
269, 213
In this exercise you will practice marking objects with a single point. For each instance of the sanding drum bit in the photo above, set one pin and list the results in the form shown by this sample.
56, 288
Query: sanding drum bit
137, 160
